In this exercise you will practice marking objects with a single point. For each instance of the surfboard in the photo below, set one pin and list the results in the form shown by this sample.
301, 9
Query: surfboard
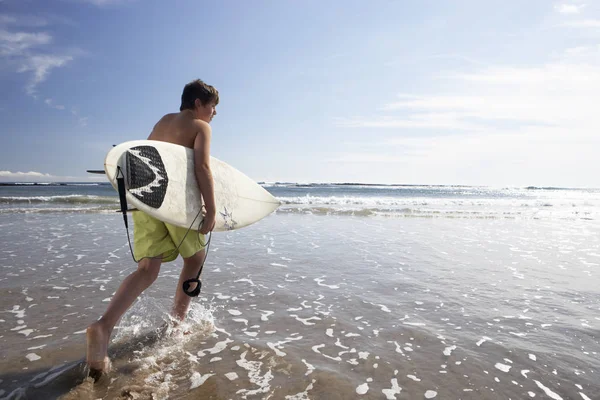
160, 180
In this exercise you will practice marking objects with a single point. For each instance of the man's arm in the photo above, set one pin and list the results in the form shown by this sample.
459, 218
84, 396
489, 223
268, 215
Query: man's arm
204, 174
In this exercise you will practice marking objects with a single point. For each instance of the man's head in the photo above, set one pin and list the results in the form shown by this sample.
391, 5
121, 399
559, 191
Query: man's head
200, 98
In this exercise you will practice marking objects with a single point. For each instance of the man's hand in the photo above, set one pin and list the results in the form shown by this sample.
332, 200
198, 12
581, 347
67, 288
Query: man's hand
209, 222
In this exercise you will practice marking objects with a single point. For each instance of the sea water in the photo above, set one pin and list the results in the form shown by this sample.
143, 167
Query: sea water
346, 291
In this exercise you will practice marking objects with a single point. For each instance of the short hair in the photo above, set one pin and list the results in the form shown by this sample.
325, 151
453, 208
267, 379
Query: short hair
197, 89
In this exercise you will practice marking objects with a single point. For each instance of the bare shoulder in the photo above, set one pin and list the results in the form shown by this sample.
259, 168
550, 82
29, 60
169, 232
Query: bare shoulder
164, 120
201, 127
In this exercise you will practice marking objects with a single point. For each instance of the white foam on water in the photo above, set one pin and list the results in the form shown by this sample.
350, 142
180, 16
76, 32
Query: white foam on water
215, 359
383, 307
32, 357
36, 347
532, 357
329, 332
41, 336
415, 324
18, 312
302, 395
584, 396
276, 350
278, 265
305, 321
310, 367
363, 355
519, 334
502, 367
362, 389
531, 394
576, 385
338, 343
60, 288
413, 377
350, 334
265, 315
198, 379
253, 368
26, 332
234, 312
430, 394
448, 350
398, 348
524, 373
245, 321
231, 376
320, 283
246, 280
548, 392
18, 328
320, 346
251, 334
482, 340
219, 347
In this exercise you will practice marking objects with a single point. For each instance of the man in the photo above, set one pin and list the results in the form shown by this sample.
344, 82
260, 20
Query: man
156, 241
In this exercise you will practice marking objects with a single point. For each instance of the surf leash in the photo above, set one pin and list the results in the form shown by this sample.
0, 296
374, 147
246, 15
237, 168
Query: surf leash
188, 284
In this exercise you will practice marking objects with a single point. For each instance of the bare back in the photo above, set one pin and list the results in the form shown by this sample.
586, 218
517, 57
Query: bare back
178, 128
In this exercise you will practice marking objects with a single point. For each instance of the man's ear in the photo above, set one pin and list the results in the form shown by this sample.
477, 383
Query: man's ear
197, 103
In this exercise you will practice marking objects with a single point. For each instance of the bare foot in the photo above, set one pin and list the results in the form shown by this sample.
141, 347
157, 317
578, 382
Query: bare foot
173, 328
97, 349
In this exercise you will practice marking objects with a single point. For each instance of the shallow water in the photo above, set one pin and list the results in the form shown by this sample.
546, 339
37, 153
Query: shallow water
305, 306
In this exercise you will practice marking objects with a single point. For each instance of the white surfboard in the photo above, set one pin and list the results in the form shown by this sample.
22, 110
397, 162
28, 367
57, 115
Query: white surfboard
160, 180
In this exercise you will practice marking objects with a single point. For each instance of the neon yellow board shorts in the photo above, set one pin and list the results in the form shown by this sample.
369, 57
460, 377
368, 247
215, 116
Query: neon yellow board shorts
154, 238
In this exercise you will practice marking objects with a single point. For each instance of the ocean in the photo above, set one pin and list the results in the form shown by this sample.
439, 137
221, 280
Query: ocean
347, 291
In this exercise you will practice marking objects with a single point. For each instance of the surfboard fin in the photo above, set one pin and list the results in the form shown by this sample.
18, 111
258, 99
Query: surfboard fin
95, 171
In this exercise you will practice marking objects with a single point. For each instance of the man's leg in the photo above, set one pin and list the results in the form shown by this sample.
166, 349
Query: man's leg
98, 333
191, 266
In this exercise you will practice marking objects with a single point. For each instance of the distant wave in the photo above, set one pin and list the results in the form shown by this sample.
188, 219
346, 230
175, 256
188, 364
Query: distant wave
68, 199
382, 201
54, 183
59, 210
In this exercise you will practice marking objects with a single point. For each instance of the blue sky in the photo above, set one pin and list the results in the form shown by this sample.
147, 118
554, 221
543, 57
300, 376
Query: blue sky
499, 93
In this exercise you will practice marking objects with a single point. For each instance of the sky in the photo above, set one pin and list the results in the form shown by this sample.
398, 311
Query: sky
459, 92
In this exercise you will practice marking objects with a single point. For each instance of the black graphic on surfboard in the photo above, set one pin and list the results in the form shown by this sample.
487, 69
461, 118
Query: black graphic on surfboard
146, 175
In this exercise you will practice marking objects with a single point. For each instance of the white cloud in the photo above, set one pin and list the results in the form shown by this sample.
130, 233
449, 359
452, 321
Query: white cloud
33, 176
17, 43
441, 120
23, 175
41, 65
103, 3
30, 51
582, 23
23, 20
503, 124
51, 103
569, 8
